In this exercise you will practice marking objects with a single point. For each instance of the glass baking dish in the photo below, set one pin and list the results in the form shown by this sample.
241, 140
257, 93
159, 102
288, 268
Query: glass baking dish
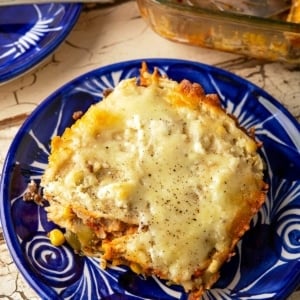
263, 38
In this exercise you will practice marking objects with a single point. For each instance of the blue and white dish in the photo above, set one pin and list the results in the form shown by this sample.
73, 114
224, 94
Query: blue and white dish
29, 33
267, 260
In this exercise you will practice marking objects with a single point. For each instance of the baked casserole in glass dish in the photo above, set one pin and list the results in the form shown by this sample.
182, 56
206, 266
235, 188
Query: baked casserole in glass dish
275, 38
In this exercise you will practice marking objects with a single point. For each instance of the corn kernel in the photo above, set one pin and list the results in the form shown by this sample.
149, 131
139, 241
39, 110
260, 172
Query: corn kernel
135, 268
56, 237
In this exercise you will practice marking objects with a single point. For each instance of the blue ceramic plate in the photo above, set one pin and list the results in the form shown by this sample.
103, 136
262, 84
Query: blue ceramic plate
267, 260
29, 33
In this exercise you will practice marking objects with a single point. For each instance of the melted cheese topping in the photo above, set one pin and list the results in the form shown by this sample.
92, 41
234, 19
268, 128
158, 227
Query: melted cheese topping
181, 173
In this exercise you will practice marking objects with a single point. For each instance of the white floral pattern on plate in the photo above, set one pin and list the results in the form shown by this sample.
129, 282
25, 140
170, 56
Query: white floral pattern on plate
267, 260
28, 33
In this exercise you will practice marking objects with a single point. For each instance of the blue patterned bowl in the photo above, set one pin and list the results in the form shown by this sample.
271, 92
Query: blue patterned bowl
29, 33
267, 260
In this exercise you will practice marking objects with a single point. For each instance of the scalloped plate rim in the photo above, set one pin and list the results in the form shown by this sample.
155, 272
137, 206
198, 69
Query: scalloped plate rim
21, 262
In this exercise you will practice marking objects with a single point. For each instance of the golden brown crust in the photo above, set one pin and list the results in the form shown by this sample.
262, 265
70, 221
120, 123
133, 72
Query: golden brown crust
169, 159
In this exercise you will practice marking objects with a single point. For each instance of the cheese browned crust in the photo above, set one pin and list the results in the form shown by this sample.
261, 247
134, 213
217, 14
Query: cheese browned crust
158, 177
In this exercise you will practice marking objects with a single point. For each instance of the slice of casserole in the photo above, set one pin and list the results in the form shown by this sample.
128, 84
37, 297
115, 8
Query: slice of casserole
158, 177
